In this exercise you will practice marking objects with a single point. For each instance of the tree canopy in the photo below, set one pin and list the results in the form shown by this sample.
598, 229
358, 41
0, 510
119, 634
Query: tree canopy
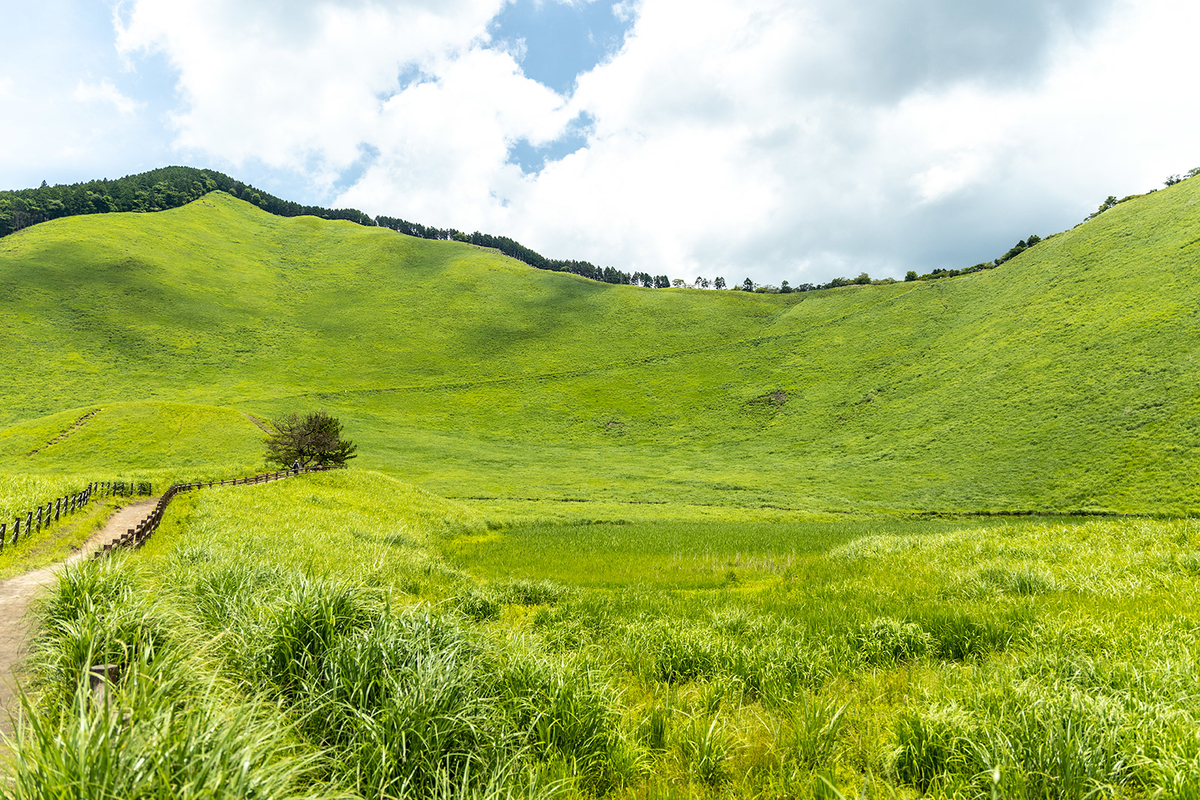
314, 439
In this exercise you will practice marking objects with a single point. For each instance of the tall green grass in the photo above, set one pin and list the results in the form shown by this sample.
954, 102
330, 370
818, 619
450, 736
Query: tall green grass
1033, 659
156, 725
641, 579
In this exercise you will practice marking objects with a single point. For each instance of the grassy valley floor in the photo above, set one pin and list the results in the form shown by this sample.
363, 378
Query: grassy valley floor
375, 640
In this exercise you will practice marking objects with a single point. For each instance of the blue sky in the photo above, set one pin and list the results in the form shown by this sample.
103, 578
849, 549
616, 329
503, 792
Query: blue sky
560, 41
776, 139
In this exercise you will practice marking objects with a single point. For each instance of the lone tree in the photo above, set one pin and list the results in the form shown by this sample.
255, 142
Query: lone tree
315, 438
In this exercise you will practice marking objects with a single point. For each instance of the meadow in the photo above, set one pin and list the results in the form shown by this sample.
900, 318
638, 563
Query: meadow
374, 640
920, 539
1062, 381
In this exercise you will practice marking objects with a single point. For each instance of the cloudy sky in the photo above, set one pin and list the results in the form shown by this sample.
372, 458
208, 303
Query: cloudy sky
789, 140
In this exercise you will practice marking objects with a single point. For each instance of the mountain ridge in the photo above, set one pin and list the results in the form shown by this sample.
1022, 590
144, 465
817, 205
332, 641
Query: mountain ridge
1065, 381
171, 187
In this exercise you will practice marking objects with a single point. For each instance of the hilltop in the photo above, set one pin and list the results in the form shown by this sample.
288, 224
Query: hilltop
1063, 381
171, 187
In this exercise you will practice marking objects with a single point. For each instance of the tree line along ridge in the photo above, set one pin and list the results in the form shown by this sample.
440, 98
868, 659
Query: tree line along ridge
172, 187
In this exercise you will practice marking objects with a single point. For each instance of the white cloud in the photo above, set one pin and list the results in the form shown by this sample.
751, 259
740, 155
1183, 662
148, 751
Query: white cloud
443, 144
718, 149
74, 115
104, 92
296, 85
770, 138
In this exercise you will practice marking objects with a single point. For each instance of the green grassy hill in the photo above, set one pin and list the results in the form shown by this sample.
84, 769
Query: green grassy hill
1065, 380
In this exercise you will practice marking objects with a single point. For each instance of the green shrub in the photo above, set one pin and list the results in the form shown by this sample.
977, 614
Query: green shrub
309, 620
574, 623
810, 733
886, 641
932, 744
705, 748
404, 704
774, 669
223, 594
158, 736
1023, 582
564, 709
661, 651
478, 605
85, 588
532, 593
91, 618
654, 728
959, 634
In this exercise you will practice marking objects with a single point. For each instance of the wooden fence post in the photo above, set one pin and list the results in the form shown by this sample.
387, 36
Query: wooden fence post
3, 531
16, 531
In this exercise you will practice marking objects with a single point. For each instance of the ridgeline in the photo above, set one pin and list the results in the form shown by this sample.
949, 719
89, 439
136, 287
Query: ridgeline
1065, 381
172, 187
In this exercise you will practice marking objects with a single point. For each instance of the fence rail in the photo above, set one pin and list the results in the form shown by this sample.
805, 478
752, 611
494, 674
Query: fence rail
60, 507
136, 536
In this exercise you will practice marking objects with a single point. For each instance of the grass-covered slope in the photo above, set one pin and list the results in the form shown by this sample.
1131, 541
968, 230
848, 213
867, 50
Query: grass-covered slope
345, 635
1064, 380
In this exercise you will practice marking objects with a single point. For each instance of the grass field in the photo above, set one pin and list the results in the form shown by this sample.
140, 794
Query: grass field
1062, 381
381, 641
609, 541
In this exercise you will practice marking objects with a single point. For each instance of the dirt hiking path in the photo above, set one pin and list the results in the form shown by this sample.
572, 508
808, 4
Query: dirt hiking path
17, 594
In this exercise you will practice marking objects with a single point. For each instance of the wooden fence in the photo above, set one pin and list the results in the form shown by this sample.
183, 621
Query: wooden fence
136, 536
62, 506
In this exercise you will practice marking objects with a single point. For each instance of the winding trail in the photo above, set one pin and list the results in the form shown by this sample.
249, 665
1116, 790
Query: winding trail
17, 594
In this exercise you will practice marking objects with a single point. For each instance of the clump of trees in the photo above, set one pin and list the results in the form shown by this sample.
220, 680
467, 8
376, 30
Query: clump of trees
312, 440
514, 249
863, 279
171, 187
1111, 201
1174, 179
1013, 252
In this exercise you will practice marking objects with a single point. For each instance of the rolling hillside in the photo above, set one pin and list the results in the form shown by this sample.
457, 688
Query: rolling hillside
1065, 380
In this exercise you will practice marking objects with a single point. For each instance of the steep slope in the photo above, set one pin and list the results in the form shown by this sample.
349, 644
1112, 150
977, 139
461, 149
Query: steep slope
1064, 380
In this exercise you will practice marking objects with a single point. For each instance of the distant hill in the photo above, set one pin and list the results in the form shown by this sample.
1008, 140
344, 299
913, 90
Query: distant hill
1068, 380
156, 190
172, 187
